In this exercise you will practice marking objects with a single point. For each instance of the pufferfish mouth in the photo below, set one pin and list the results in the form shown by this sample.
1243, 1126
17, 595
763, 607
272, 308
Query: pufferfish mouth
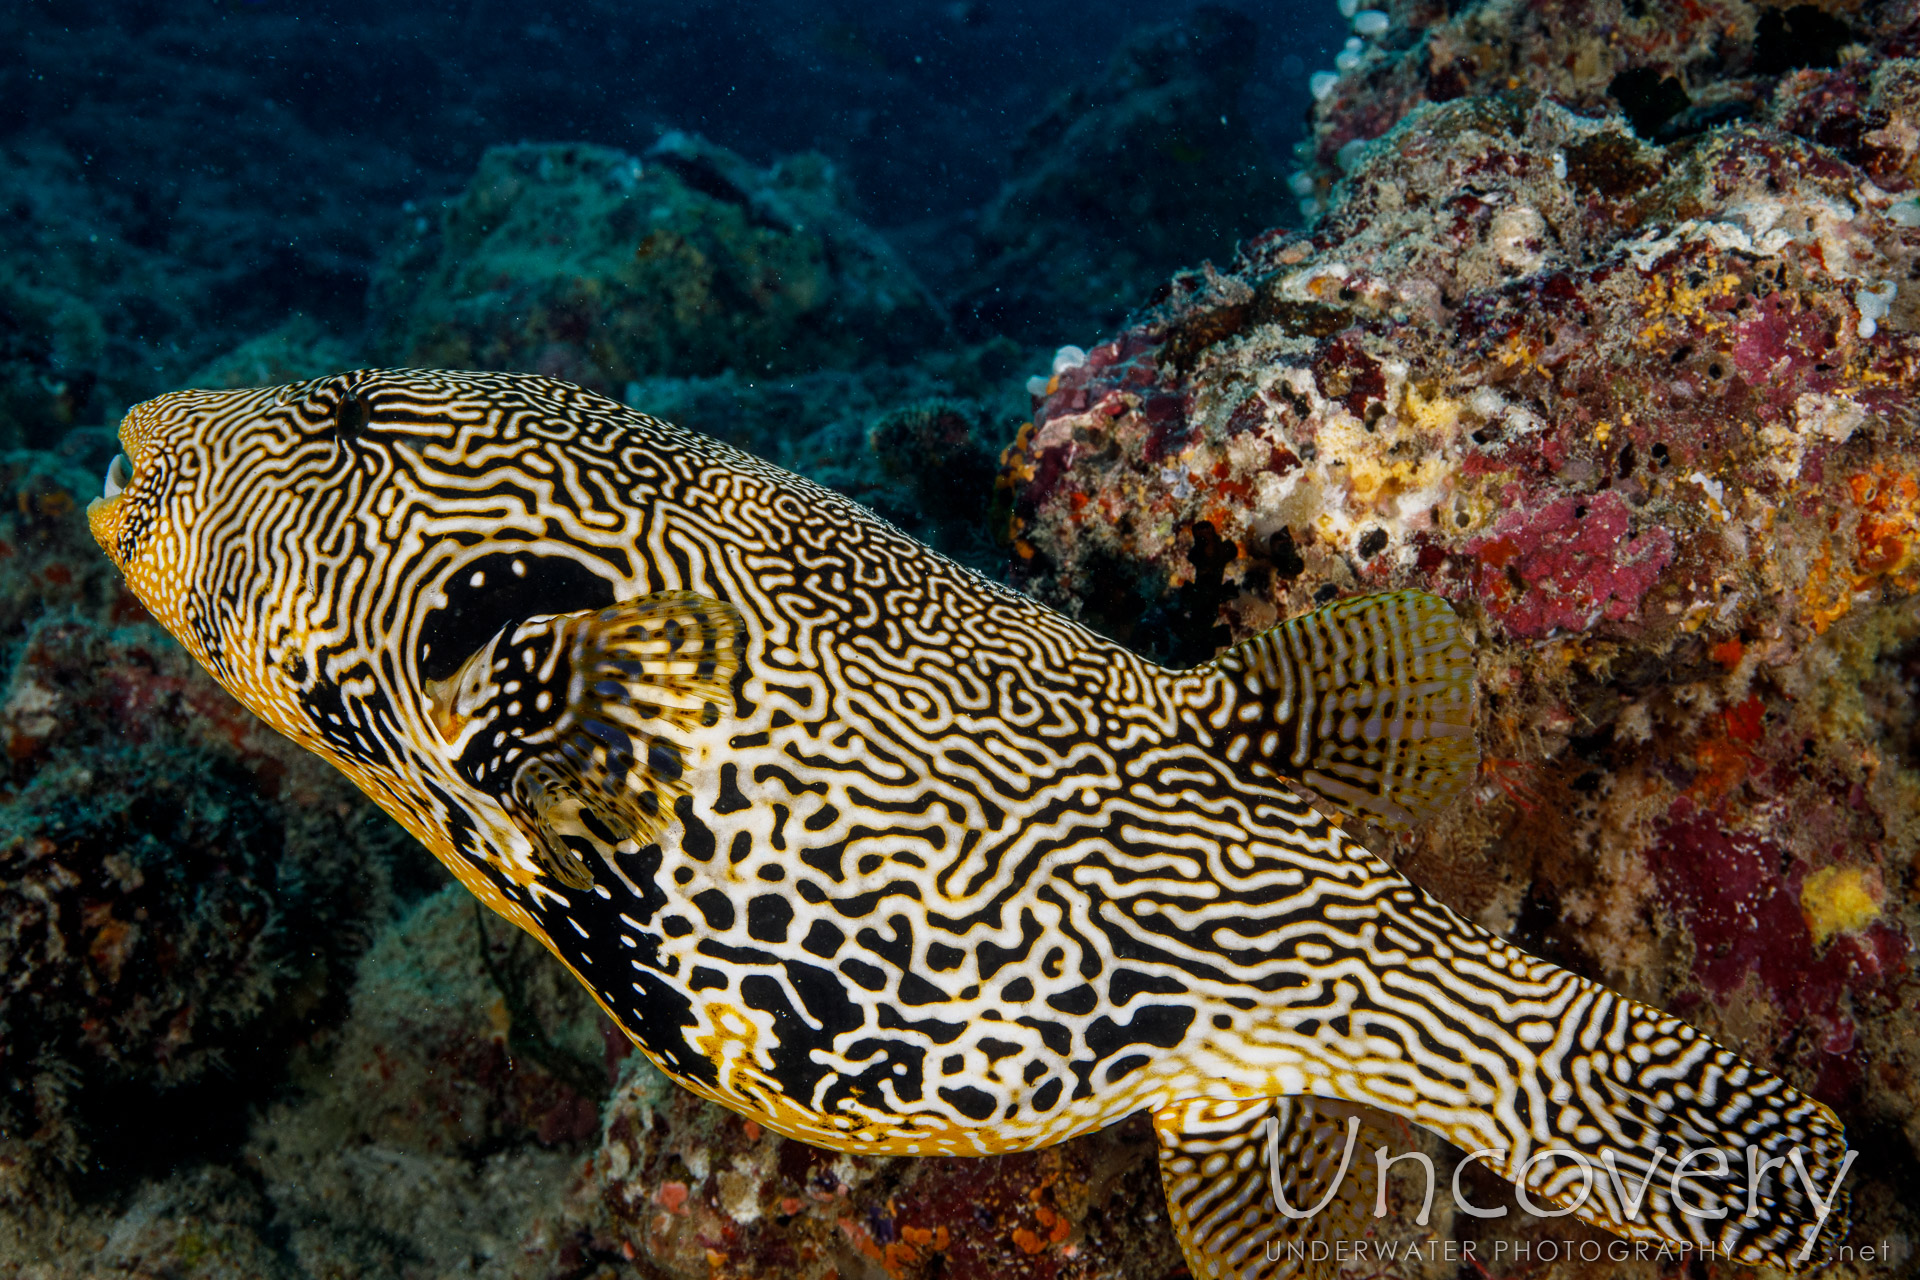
104, 516
119, 476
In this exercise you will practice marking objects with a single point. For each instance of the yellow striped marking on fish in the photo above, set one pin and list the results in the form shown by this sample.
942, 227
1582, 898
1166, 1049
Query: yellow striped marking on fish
886, 856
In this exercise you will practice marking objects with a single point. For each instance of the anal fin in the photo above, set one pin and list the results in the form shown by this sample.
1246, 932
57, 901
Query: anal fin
581, 724
1216, 1164
1366, 702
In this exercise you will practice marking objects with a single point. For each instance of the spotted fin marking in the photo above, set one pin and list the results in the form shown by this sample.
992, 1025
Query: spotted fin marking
1215, 1163
579, 722
1367, 702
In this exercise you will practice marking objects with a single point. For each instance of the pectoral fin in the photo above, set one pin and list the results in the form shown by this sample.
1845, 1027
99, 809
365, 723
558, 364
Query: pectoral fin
581, 724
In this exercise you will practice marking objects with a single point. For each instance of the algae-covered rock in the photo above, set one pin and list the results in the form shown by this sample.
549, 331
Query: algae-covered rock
691, 1190
139, 918
182, 893
1148, 168
180, 902
601, 267
915, 443
448, 1111
63, 328
1670, 71
294, 351
112, 291
1645, 416
202, 1222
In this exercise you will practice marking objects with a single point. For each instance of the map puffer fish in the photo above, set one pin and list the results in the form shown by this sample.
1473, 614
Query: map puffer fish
892, 859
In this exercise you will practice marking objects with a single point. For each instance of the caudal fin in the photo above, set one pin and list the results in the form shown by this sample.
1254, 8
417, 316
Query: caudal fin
1643, 1096
1586, 1099
1367, 703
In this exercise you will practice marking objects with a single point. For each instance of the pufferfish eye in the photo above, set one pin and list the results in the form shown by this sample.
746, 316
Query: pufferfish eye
350, 416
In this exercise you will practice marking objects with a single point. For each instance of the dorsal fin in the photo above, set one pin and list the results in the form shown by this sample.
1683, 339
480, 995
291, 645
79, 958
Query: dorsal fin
580, 723
1366, 702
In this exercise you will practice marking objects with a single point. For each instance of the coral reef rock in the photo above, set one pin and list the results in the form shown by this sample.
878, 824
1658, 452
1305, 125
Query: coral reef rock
1645, 415
298, 349
1673, 71
916, 443
183, 894
448, 1112
694, 1191
600, 267
1149, 168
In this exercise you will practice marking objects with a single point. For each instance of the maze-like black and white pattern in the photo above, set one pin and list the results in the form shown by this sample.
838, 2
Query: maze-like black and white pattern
948, 873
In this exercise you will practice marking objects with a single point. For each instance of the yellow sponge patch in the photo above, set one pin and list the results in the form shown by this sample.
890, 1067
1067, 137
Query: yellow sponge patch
1836, 898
